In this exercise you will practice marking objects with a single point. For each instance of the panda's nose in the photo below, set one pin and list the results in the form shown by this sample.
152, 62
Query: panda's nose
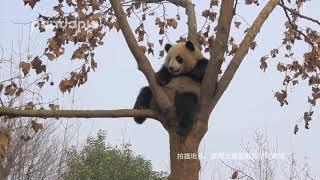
171, 69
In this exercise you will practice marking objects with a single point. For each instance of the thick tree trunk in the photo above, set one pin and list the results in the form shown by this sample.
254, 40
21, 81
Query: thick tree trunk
184, 160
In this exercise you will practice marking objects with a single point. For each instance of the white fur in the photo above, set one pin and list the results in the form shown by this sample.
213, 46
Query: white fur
190, 59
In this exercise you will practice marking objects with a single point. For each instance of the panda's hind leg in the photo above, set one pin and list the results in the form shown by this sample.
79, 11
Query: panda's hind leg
186, 106
143, 102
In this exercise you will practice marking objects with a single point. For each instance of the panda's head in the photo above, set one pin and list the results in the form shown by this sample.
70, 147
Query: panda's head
182, 57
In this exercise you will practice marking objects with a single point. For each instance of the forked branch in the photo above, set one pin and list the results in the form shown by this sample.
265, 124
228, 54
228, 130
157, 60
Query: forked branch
217, 51
243, 49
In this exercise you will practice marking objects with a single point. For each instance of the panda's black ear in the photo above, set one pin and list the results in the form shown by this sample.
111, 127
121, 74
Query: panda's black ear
167, 47
190, 46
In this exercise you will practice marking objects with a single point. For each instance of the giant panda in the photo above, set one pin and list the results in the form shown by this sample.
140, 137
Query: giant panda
182, 59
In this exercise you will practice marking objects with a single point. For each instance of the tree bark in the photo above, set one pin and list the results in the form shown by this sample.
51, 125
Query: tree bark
184, 157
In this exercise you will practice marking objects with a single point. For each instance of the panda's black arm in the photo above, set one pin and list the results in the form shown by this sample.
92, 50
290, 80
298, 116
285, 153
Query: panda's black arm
163, 76
198, 72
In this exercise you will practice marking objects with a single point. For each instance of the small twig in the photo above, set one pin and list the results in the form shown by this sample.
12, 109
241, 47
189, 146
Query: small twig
298, 14
244, 19
181, 3
2, 54
12, 78
234, 169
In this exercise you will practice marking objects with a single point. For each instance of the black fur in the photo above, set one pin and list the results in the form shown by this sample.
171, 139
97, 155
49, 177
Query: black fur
143, 102
199, 70
185, 103
163, 76
190, 46
186, 107
167, 47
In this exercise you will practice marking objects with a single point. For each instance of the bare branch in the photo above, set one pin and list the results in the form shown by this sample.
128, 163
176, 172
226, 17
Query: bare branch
234, 169
142, 61
10, 112
243, 49
298, 14
181, 3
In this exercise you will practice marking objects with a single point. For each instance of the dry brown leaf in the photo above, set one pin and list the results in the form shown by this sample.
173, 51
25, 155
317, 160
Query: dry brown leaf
29, 106
31, 3
54, 107
25, 138
40, 84
25, 67
235, 174
296, 129
10, 89
36, 64
253, 45
50, 56
172, 23
237, 24
19, 91
36, 126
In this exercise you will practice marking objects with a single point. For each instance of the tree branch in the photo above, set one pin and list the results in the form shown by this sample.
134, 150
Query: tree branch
298, 14
10, 112
192, 21
217, 52
243, 49
142, 61
181, 3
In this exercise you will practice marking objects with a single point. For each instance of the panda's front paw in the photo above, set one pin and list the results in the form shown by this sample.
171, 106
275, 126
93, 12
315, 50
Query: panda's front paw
160, 81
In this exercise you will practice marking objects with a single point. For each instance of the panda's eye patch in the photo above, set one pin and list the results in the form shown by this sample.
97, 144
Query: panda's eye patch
179, 59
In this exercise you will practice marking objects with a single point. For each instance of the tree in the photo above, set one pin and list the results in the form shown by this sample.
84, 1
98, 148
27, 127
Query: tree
34, 147
217, 41
263, 163
98, 160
